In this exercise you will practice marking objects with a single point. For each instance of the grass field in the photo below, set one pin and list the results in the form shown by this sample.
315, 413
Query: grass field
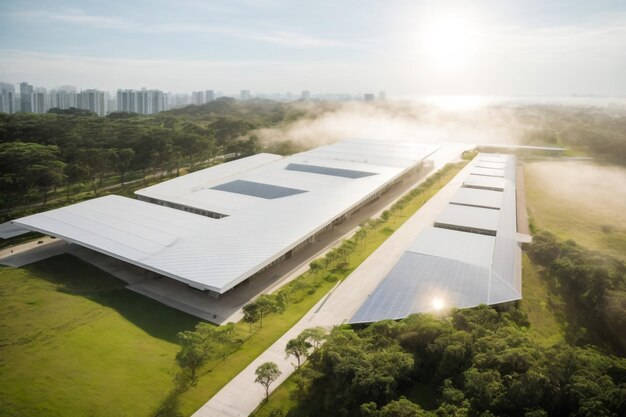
544, 309
74, 342
579, 200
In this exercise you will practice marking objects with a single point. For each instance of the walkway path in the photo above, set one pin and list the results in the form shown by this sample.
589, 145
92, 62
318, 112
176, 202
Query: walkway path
242, 395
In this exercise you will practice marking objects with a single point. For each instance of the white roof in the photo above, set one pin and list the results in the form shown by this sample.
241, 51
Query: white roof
218, 254
456, 268
478, 198
484, 182
469, 217
488, 172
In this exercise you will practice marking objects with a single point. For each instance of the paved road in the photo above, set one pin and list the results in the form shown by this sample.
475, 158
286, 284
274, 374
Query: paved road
242, 395
31, 251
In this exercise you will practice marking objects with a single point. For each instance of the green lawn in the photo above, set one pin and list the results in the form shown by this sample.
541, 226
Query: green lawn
542, 307
74, 342
582, 201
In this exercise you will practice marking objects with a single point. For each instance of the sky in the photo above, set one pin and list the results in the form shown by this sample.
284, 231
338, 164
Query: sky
406, 48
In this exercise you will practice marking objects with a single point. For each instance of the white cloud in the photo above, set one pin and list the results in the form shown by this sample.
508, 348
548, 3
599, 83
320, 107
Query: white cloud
74, 16
79, 17
170, 75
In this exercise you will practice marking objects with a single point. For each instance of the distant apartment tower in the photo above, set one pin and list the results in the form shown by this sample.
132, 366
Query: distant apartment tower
306, 95
64, 98
93, 100
197, 97
39, 101
141, 101
209, 96
369, 97
382, 96
125, 101
7, 98
245, 95
26, 97
179, 100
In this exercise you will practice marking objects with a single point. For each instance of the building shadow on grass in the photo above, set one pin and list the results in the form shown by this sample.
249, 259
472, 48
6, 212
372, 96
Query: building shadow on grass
73, 276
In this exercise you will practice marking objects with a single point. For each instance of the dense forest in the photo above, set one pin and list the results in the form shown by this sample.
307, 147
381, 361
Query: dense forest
482, 361
39, 153
599, 133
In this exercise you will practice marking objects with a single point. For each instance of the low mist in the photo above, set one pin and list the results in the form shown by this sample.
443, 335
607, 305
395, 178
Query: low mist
331, 122
596, 189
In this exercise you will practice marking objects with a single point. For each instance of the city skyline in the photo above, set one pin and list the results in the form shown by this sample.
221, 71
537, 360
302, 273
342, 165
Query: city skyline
405, 48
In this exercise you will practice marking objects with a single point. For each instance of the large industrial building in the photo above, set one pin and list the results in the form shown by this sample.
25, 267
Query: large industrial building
218, 227
470, 256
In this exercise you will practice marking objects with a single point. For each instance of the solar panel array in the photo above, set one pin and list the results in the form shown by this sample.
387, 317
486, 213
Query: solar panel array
455, 268
336, 172
257, 189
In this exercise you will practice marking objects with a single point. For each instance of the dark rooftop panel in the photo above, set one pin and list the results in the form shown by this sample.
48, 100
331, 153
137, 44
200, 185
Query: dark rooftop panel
336, 172
257, 189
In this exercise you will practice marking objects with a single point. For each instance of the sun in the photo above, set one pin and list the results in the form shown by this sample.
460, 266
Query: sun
438, 304
448, 41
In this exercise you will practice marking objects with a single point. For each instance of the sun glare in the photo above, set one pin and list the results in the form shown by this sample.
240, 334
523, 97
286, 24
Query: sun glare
438, 304
448, 41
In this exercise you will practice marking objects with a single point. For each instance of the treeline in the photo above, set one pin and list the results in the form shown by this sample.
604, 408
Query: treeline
593, 286
39, 153
600, 133
477, 362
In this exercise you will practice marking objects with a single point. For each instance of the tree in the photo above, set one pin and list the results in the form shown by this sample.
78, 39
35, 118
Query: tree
265, 304
314, 335
266, 374
402, 408
223, 336
251, 314
25, 165
123, 159
316, 265
194, 352
304, 377
96, 162
298, 348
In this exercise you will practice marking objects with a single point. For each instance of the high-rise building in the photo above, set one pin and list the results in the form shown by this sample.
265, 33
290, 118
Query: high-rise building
209, 96
142, 101
126, 101
39, 101
65, 97
26, 97
197, 97
7, 98
245, 95
382, 96
93, 100
179, 100
306, 95
111, 104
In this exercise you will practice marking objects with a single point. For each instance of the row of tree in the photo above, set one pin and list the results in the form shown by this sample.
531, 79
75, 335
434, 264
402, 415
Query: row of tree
306, 343
200, 345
